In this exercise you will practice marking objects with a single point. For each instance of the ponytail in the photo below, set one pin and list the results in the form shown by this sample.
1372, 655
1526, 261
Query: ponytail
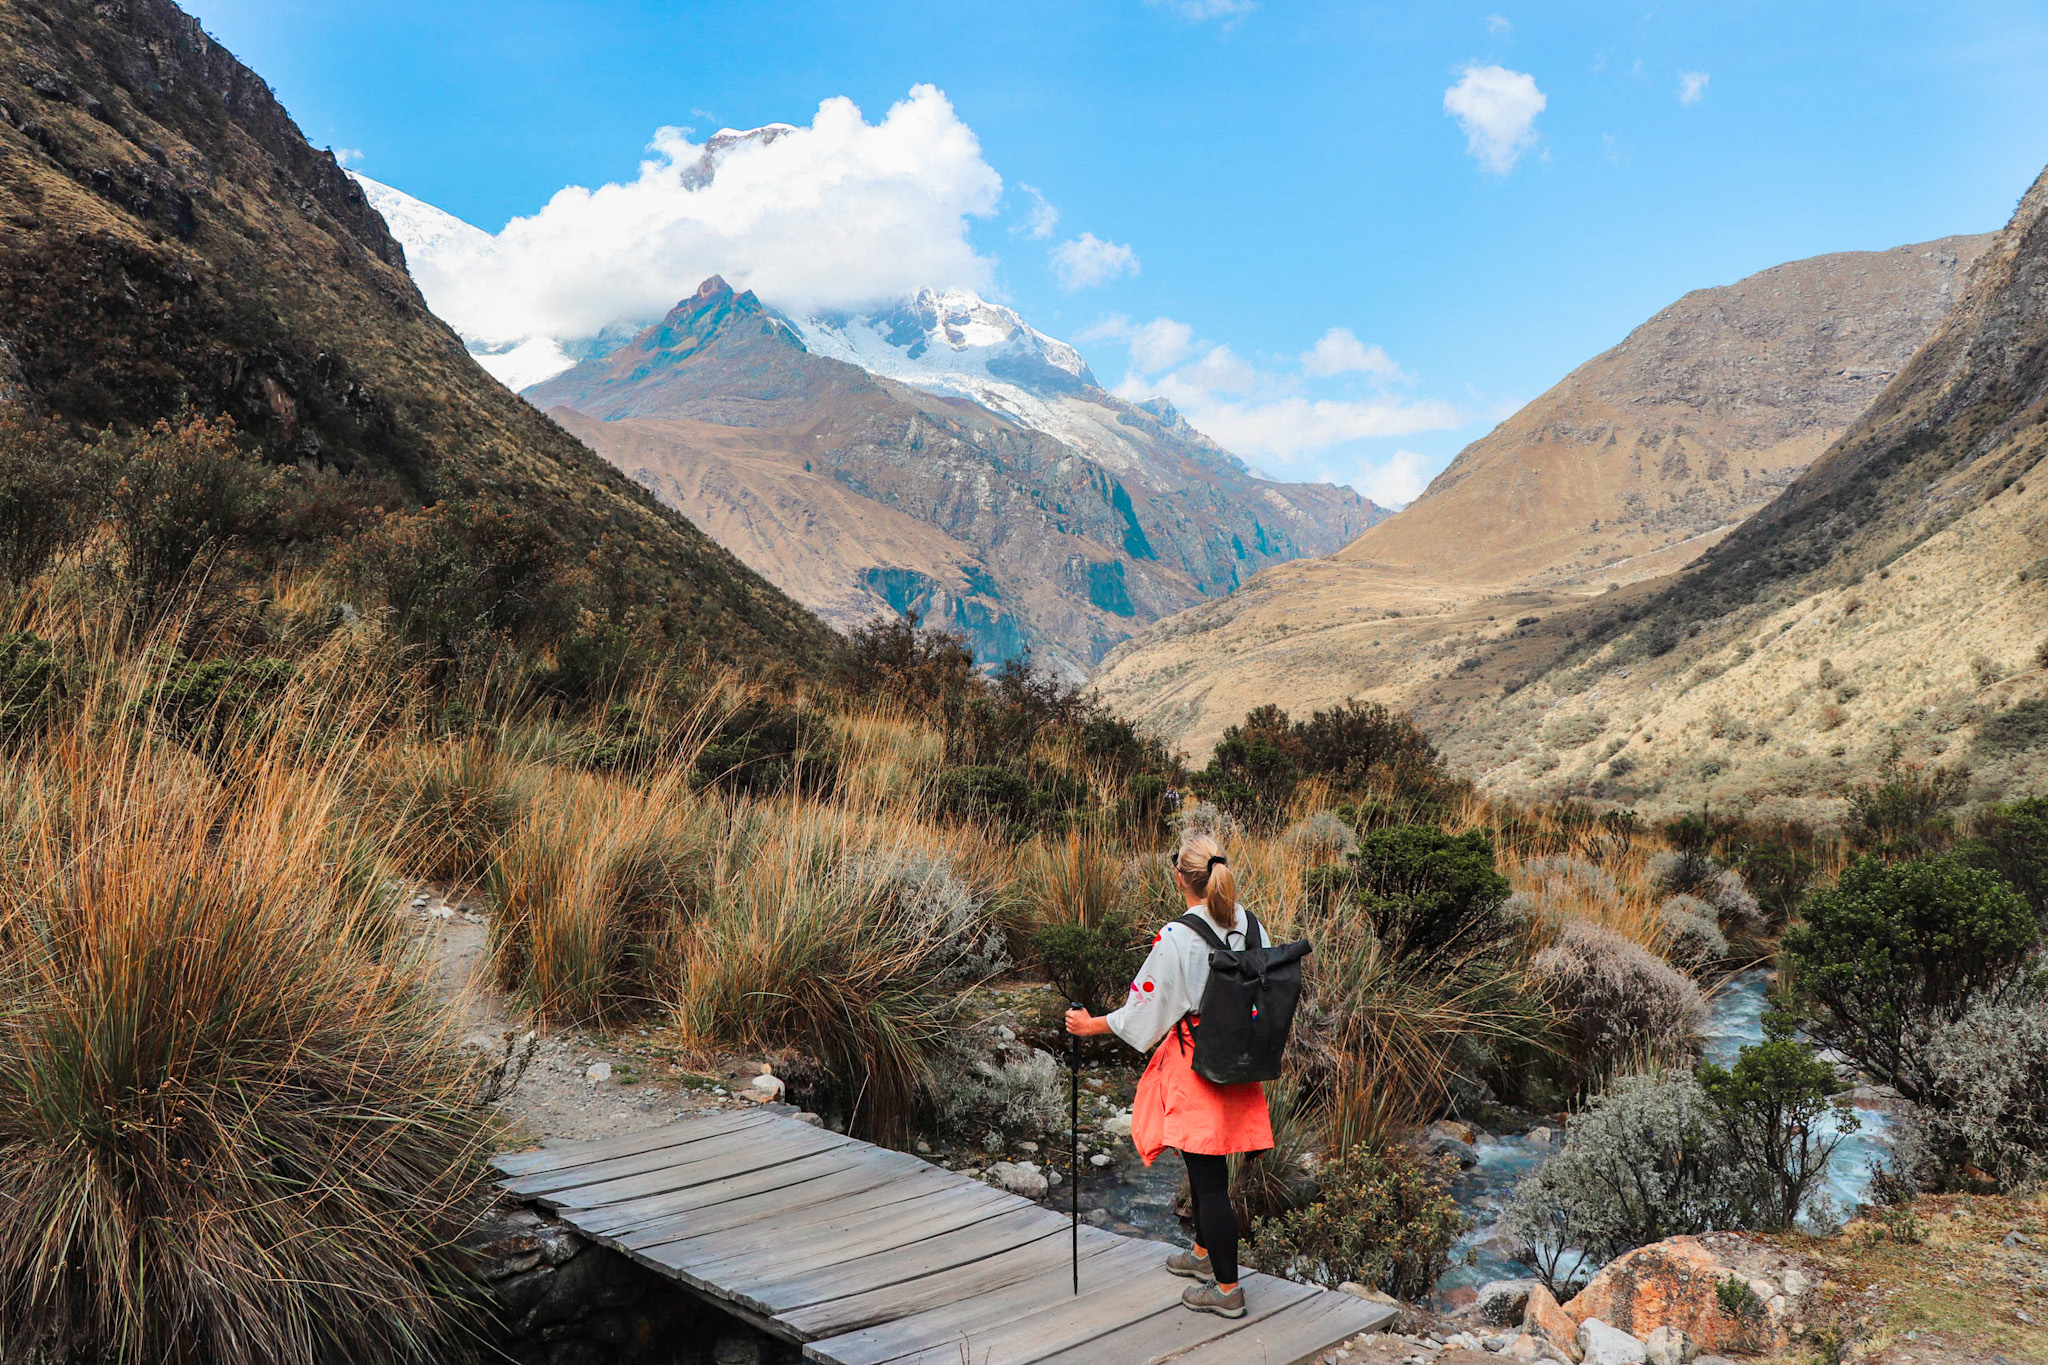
1207, 871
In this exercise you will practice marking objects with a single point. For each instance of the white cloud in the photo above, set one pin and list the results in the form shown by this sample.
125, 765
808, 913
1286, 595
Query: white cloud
347, 156
1497, 109
841, 214
1286, 429
1088, 260
1396, 480
1154, 346
1201, 10
1341, 352
1043, 217
1692, 86
1497, 24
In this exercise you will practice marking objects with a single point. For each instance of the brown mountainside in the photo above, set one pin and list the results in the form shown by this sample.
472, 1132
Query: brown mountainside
861, 494
1633, 465
169, 241
1895, 595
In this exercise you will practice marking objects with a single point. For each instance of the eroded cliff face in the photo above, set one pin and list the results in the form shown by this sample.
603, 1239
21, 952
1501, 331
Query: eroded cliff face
1633, 466
169, 242
912, 499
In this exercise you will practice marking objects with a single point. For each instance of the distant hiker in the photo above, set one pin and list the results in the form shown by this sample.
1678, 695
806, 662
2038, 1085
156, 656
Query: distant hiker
1176, 1107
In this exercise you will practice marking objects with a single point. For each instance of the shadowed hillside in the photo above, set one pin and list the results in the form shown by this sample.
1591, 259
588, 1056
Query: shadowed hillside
169, 242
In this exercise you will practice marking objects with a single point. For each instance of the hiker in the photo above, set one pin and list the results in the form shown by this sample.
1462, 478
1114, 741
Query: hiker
1177, 1108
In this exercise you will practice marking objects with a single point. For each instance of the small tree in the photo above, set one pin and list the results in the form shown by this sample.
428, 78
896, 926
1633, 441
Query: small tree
49, 498
1905, 814
2013, 842
1772, 1101
1255, 769
1895, 948
1428, 891
182, 495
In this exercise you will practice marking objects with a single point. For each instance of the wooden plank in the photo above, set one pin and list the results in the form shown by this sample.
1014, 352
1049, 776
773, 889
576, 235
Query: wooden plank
970, 1305
714, 1163
1041, 1264
803, 1182
1164, 1336
1069, 1322
569, 1154
1294, 1335
762, 1139
832, 1239
939, 1251
791, 1213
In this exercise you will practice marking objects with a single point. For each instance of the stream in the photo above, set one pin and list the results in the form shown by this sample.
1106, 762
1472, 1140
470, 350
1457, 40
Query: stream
1134, 1199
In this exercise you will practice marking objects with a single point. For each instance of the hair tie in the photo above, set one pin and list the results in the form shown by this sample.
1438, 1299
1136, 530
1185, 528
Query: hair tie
1219, 858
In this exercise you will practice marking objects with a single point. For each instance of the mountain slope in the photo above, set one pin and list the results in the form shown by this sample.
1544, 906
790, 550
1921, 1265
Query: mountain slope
1633, 465
1894, 595
168, 240
1065, 555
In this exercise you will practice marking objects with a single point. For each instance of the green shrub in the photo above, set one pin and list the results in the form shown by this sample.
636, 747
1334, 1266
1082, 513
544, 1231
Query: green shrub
50, 496
1018, 1097
1254, 770
2013, 842
1904, 813
208, 703
1092, 963
768, 746
1019, 802
1894, 949
891, 658
1986, 1110
1772, 1100
1649, 1159
1380, 1217
181, 497
460, 577
1427, 892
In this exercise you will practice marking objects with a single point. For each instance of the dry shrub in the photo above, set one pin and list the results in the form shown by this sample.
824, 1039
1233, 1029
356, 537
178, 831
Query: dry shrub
1833, 717
593, 890
1616, 1000
230, 1127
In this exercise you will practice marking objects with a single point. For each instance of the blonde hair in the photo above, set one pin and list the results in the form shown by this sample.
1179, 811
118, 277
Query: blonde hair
1207, 872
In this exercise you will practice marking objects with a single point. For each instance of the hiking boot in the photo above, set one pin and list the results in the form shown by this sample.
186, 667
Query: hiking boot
1190, 1265
1207, 1298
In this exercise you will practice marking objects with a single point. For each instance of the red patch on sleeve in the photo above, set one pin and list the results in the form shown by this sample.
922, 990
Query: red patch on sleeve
1148, 985
1157, 937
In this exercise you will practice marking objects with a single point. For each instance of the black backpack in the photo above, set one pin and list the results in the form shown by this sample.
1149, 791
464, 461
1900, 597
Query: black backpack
1248, 1005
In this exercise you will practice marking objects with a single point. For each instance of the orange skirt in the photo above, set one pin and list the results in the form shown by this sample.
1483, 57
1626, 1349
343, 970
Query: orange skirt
1177, 1108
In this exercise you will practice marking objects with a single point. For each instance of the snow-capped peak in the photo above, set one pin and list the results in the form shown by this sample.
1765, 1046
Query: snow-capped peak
950, 340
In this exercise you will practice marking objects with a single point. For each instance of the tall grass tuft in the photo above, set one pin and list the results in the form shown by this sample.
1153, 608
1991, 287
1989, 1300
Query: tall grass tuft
455, 799
594, 889
230, 1129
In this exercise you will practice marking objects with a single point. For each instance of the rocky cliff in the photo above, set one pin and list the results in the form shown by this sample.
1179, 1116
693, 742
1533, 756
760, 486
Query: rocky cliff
169, 241
1635, 464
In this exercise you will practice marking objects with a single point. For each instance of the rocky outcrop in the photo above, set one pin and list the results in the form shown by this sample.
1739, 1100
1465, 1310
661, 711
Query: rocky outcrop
1722, 1291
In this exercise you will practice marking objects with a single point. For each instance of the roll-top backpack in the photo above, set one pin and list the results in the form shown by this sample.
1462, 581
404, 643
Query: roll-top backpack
1248, 1005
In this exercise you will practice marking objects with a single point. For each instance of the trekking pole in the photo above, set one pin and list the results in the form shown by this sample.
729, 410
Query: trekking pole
1074, 1144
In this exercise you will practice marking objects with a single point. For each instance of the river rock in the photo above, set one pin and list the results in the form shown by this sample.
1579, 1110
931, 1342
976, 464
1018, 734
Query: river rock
597, 1072
1019, 1177
1669, 1346
1501, 1302
1548, 1323
1454, 1140
1600, 1344
1118, 1124
1677, 1283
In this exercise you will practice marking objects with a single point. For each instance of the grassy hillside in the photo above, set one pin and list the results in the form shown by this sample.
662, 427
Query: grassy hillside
1889, 607
169, 243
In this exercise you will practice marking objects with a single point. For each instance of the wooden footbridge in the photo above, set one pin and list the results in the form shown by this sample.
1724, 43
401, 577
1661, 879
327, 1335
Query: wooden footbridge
873, 1257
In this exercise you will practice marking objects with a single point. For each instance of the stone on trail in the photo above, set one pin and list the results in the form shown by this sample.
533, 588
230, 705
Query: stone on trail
1502, 1302
1019, 1177
1669, 1346
1600, 1344
598, 1072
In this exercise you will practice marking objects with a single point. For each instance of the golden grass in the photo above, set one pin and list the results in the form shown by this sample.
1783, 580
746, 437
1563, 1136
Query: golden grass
231, 1127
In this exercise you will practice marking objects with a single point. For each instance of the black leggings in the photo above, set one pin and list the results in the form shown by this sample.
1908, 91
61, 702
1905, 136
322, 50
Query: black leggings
1215, 1220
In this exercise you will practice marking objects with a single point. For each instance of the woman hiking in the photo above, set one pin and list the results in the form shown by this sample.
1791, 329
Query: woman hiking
1177, 1108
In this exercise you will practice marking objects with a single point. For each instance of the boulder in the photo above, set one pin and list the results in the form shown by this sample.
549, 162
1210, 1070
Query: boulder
1454, 1140
1544, 1320
1118, 1124
1669, 1346
1679, 1283
1501, 1302
1600, 1344
1019, 1177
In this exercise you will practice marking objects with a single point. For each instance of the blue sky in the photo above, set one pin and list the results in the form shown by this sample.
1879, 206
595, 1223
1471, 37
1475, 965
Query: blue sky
1236, 183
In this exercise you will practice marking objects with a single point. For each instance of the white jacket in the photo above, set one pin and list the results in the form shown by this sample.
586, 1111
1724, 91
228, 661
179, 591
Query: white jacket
1171, 982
